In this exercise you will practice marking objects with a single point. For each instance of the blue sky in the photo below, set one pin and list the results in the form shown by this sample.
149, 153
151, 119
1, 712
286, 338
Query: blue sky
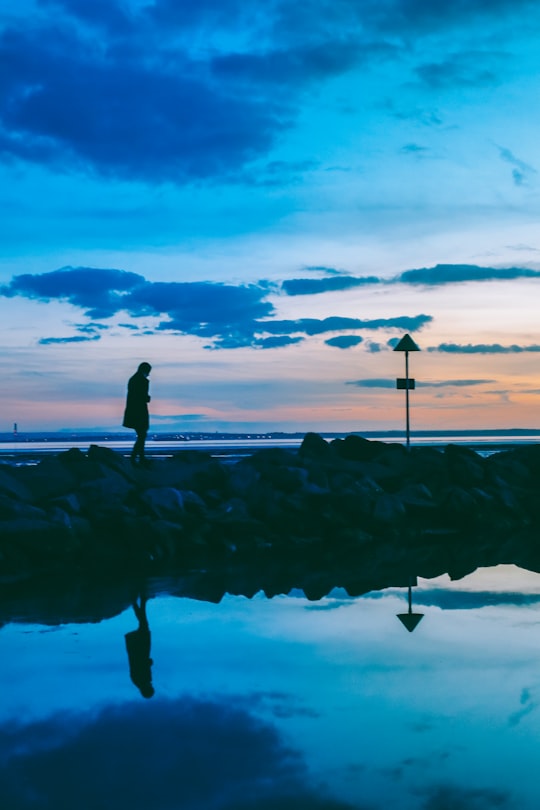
259, 201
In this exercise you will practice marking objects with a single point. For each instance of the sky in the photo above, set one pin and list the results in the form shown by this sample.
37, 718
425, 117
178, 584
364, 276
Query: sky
260, 200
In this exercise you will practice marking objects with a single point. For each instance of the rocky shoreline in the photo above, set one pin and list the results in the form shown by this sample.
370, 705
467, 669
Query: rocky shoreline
351, 512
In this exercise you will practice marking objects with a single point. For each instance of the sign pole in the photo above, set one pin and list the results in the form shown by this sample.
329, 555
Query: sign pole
406, 344
408, 425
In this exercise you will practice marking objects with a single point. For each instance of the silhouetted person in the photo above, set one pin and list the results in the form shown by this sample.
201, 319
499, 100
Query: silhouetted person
138, 650
136, 413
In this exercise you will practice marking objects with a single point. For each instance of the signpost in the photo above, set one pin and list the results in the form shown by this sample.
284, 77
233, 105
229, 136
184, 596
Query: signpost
406, 344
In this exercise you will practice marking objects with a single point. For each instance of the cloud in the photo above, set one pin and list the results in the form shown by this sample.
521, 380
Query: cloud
344, 341
134, 112
453, 383
435, 276
316, 326
415, 149
335, 283
373, 382
523, 172
98, 291
232, 316
528, 705
456, 273
161, 755
207, 309
74, 339
483, 348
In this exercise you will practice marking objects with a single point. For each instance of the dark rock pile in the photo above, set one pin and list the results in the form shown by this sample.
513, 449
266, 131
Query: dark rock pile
351, 508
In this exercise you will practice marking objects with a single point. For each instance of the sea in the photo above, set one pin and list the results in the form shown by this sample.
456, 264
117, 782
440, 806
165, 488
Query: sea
29, 448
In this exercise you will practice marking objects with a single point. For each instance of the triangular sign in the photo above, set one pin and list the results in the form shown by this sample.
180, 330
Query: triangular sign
406, 344
410, 620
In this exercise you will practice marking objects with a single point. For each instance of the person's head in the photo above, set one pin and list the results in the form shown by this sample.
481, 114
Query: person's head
145, 368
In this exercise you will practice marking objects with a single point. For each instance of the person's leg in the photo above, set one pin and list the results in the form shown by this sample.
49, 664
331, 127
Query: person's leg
138, 447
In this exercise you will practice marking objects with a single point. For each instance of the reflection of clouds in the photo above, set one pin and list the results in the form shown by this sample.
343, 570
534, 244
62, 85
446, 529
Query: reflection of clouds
528, 704
280, 704
192, 754
462, 600
450, 797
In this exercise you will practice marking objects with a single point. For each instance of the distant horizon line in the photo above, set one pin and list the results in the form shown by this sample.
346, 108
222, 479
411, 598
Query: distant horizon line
66, 434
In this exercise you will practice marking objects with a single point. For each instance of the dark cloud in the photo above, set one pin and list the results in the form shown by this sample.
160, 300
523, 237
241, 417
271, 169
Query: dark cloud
177, 91
483, 348
452, 383
74, 339
334, 283
107, 15
316, 326
190, 754
276, 342
99, 291
428, 276
300, 65
200, 308
140, 115
454, 273
374, 382
230, 316
424, 16
344, 341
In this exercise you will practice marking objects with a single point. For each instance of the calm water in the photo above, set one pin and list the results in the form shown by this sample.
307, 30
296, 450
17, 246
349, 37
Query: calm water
283, 703
25, 452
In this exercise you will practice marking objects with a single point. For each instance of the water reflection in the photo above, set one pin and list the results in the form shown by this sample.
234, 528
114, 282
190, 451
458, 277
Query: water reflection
410, 620
138, 643
280, 704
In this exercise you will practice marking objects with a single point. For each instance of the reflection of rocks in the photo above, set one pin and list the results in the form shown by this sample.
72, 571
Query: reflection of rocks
352, 508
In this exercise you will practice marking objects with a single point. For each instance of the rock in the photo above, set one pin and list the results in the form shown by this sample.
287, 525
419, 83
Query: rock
105, 492
465, 467
356, 448
69, 503
389, 509
315, 447
50, 478
164, 502
12, 486
352, 505
11, 508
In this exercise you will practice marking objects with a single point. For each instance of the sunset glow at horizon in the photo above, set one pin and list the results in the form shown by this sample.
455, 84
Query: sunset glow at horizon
260, 202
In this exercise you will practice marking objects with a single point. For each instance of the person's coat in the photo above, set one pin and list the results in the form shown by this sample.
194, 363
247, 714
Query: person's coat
136, 412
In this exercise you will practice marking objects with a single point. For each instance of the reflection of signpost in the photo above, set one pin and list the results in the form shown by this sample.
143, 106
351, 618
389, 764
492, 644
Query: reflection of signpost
410, 620
406, 344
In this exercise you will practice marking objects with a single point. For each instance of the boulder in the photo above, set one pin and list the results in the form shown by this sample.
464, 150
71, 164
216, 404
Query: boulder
164, 502
11, 485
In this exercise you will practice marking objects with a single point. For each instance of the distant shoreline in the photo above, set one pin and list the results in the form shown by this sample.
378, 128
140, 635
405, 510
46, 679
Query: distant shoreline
189, 436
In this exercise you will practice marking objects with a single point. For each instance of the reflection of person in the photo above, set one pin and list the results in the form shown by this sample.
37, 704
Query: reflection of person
138, 650
136, 412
